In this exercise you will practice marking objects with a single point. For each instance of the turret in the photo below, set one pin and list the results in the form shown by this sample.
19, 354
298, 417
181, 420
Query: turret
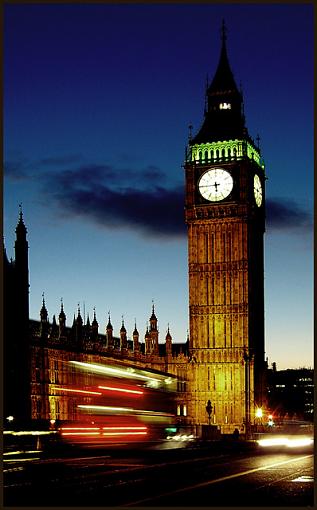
147, 339
44, 320
123, 338
136, 344
62, 320
94, 328
87, 331
54, 328
109, 334
154, 332
153, 320
79, 326
168, 340
21, 276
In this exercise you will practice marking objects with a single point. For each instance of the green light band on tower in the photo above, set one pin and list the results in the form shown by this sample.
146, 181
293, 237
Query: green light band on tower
230, 150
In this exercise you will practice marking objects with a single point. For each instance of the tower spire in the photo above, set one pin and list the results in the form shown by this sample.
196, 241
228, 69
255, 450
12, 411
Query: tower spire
223, 118
62, 319
43, 312
223, 32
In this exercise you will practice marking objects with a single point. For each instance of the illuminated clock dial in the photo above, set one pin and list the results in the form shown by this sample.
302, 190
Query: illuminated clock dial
215, 184
257, 187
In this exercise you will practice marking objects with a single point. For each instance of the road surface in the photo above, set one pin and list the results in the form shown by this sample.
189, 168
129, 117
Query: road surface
185, 477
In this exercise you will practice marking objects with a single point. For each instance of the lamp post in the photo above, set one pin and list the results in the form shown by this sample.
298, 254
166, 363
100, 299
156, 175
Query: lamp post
247, 358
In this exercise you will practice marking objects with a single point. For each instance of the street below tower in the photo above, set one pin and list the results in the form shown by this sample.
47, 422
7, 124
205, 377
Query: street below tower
198, 475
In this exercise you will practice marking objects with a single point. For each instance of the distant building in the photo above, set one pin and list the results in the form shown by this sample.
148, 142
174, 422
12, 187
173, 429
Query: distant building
291, 393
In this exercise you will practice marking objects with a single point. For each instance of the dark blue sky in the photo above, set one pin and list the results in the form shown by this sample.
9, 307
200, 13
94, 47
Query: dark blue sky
97, 103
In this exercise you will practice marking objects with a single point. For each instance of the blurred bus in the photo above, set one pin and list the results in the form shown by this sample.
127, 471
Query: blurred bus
117, 404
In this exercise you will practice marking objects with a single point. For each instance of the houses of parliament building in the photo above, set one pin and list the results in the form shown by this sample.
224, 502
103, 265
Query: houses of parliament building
222, 360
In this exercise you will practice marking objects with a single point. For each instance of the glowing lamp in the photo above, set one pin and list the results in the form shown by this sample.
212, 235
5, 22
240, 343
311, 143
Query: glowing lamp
259, 412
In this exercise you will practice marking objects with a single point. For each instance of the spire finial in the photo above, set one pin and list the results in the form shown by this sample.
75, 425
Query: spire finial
62, 304
258, 141
20, 211
190, 132
223, 32
43, 299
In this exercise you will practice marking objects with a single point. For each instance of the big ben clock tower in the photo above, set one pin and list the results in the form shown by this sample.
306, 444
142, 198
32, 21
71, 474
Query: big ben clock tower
225, 216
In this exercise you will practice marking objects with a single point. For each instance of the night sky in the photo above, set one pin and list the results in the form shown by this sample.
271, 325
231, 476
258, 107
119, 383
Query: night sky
97, 104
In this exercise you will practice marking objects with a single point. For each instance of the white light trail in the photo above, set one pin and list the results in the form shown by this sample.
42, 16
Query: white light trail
137, 392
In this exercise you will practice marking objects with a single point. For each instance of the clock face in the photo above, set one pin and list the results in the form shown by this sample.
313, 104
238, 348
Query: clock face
257, 187
215, 184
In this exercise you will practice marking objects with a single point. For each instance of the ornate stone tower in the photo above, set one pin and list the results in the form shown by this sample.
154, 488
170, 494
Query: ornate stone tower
225, 216
16, 330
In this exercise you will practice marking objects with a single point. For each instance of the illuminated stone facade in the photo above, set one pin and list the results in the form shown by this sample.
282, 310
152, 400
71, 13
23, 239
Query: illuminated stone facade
225, 260
53, 346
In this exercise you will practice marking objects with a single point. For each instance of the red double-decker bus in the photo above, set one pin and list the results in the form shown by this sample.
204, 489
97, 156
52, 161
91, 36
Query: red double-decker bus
117, 404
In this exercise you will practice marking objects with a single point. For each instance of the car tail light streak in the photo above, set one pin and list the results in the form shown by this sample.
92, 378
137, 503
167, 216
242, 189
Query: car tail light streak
123, 390
103, 431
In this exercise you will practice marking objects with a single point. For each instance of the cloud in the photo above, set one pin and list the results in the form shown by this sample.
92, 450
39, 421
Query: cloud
16, 170
285, 214
105, 196
120, 199
126, 198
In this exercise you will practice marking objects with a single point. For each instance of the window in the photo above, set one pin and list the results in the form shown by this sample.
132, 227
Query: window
181, 410
38, 408
225, 106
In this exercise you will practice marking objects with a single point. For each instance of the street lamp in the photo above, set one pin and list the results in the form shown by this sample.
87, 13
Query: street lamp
247, 358
259, 412
258, 420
